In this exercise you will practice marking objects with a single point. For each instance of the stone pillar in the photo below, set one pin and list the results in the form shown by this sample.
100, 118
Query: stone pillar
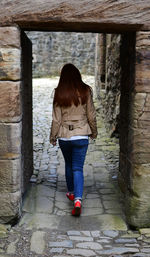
135, 157
10, 124
103, 60
100, 63
97, 66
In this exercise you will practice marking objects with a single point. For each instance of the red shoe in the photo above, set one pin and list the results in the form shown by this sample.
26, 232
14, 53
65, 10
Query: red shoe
77, 208
70, 196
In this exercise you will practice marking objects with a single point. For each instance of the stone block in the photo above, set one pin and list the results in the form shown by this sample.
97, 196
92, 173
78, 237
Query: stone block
10, 175
137, 207
143, 124
81, 252
10, 205
139, 100
137, 202
142, 60
140, 157
141, 146
142, 181
138, 141
148, 101
140, 74
10, 64
44, 205
10, 102
37, 242
9, 37
145, 116
93, 203
142, 85
10, 143
142, 39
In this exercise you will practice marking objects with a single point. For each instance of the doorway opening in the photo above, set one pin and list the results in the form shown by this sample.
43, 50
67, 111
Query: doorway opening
102, 162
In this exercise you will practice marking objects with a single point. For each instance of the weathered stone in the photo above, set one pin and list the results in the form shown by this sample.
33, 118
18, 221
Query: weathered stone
107, 191
104, 240
63, 205
125, 240
141, 255
93, 203
10, 206
131, 234
10, 177
3, 228
65, 243
139, 100
9, 37
111, 233
111, 204
142, 39
56, 250
61, 197
47, 44
140, 206
110, 78
86, 233
119, 250
73, 233
10, 144
92, 196
114, 16
37, 242
11, 249
10, 106
144, 231
145, 250
89, 245
95, 233
92, 211
66, 255
40, 221
134, 158
140, 157
30, 200
81, 252
81, 238
44, 205
10, 64
45, 191
132, 245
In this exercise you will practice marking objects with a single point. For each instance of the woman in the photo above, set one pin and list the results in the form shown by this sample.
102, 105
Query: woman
74, 120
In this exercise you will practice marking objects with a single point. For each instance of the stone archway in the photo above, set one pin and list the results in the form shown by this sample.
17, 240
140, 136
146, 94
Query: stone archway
14, 65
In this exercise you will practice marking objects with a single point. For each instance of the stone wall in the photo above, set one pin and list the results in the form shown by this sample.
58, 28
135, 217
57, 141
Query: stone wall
108, 79
10, 124
51, 50
135, 124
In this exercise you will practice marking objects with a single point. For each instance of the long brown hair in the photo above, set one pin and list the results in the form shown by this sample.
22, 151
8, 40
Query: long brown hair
71, 89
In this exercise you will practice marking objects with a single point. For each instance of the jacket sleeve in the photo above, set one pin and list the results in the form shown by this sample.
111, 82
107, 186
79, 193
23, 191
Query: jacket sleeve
91, 115
56, 122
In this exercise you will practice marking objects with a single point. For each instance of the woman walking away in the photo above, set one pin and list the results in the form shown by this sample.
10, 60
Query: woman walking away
74, 121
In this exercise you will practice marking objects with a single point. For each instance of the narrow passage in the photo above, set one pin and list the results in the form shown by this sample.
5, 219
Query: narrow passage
46, 227
46, 199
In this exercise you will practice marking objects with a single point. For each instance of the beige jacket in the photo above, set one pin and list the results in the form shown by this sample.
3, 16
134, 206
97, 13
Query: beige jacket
73, 121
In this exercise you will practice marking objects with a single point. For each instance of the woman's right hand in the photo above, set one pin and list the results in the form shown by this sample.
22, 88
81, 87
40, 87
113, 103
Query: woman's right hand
54, 143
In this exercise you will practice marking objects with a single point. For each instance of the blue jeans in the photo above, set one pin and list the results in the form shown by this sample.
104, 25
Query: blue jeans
74, 152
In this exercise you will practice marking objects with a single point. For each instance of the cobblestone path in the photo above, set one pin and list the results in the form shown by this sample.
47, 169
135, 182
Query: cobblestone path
46, 227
